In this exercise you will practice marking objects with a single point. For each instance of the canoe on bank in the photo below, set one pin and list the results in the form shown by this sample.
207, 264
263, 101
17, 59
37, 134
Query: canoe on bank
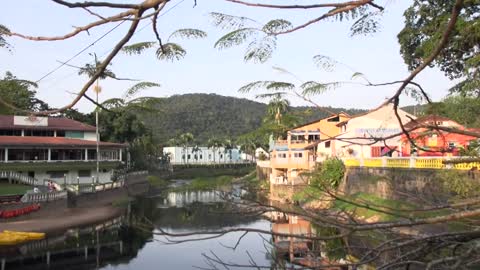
14, 238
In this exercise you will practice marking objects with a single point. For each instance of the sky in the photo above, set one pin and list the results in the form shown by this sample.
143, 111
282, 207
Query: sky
206, 69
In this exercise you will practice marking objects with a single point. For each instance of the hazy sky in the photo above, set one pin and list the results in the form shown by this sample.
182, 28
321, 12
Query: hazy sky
206, 69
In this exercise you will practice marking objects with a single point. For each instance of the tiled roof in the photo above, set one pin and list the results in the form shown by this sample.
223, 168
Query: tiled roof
30, 141
426, 119
54, 123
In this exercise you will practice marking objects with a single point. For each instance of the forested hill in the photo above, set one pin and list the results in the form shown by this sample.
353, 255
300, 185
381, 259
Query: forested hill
211, 115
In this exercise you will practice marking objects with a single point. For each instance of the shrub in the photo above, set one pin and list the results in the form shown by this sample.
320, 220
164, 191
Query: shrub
329, 174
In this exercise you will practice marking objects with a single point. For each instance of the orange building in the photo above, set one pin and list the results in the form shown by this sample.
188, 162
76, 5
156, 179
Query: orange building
434, 142
298, 153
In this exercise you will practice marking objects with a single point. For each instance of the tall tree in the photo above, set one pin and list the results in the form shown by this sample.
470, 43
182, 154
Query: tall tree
20, 93
425, 21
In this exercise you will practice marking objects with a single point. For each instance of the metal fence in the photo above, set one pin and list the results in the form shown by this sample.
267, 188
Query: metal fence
44, 197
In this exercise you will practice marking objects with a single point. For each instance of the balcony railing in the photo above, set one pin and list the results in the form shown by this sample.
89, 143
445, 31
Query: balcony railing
411, 162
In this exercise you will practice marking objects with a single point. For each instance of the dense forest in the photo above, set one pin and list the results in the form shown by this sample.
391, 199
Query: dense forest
211, 115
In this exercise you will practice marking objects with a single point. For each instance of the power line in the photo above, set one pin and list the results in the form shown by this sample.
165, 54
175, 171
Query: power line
80, 52
111, 30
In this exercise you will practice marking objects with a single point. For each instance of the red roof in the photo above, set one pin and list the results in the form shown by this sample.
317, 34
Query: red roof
31, 141
54, 123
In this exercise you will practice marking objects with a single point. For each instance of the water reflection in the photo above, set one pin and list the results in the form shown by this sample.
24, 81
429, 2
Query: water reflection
121, 244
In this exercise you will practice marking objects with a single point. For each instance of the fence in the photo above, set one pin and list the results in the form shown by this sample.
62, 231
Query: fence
413, 162
44, 197
19, 177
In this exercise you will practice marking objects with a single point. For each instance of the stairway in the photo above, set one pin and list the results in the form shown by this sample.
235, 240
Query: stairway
16, 176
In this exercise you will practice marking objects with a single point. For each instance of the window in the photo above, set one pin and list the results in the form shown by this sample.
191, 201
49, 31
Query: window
195, 157
209, 156
327, 144
57, 174
201, 156
221, 156
188, 156
298, 155
451, 144
334, 119
84, 173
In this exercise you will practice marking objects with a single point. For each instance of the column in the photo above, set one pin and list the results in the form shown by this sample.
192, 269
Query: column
49, 154
23, 133
6, 154
120, 154
54, 133
86, 154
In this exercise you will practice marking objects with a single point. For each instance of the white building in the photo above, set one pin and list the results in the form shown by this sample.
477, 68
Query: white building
58, 149
202, 155
363, 136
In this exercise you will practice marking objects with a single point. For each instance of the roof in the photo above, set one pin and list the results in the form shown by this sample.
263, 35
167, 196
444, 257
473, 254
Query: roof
54, 123
318, 120
31, 141
428, 118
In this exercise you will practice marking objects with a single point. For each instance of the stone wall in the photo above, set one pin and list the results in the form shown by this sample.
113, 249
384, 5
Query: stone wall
415, 185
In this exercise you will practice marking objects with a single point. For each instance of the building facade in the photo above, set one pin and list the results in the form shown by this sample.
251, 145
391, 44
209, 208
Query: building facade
299, 152
202, 155
435, 142
372, 134
58, 149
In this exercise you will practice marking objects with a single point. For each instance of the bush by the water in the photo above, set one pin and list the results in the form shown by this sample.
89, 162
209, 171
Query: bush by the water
329, 174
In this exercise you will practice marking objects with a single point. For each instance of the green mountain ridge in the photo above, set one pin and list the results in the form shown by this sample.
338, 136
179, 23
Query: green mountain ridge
212, 115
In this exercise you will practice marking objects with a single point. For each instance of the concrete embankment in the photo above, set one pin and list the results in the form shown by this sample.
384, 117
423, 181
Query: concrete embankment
77, 210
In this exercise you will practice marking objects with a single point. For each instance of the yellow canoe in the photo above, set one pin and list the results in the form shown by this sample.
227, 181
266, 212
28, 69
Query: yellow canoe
27, 235
11, 239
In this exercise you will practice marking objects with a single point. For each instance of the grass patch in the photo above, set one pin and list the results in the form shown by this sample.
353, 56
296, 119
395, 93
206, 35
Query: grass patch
395, 207
157, 182
207, 183
121, 202
13, 189
208, 172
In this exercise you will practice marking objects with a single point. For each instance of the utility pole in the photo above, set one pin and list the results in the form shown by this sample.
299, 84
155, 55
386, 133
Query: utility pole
97, 90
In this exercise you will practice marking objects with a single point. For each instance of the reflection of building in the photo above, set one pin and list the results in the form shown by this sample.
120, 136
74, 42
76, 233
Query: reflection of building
50, 148
437, 142
299, 152
290, 246
202, 155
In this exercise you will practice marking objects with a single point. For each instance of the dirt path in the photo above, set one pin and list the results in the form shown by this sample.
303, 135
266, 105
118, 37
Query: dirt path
63, 219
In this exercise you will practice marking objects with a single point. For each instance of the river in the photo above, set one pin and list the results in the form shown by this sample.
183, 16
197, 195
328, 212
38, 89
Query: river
134, 240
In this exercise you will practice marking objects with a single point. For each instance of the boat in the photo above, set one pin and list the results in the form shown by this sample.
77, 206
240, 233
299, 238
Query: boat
11, 239
28, 235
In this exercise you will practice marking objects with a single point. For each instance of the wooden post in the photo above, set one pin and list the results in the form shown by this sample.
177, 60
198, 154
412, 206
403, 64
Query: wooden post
48, 258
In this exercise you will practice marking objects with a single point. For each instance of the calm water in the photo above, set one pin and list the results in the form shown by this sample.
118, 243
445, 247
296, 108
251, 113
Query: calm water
120, 244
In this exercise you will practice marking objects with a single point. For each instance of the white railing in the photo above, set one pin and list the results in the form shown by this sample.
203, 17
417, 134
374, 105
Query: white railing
44, 197
56, 161
19, 177
91, 188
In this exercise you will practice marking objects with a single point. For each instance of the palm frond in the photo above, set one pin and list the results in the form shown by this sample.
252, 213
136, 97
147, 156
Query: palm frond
280, 86
235, 37
271, 95
113, 103
188, 33
137, 88
325, 62
366, 25
171, 52
260, 50
315, 88
275, 26
226, 21
138, 48
253, 86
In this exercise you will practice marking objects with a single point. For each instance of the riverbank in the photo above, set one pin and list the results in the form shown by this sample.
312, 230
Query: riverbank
61, 220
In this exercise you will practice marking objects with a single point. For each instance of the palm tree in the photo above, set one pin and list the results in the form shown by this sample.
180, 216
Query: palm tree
228, 147
277, 107
214, 144
185, 141
195, 151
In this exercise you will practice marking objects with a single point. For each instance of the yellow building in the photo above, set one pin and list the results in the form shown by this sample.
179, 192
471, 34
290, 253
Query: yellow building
298, 153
